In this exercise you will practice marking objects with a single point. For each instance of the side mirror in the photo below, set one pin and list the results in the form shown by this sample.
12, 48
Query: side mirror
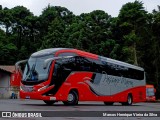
45, 64
19, 62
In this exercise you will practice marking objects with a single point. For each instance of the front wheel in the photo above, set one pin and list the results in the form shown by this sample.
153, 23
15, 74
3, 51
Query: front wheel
49, 102
72, 98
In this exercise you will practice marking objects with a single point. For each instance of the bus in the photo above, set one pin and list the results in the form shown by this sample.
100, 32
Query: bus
150, 93
71, 75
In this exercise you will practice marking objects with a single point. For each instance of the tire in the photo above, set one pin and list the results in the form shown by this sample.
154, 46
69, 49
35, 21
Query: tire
49, 102
129, 100
108, 103
72, 99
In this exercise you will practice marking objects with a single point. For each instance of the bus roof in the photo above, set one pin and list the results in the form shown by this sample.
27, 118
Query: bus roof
45, 52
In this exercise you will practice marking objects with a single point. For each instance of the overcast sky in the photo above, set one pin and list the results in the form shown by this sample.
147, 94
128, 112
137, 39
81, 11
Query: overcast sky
112, 7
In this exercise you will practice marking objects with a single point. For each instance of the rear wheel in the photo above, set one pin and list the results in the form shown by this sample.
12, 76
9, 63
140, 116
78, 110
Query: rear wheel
129, 100
72, 98
49, 102
108, 103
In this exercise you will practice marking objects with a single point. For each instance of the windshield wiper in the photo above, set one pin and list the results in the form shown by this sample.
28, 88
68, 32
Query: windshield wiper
28, 68
34, 73
31, 74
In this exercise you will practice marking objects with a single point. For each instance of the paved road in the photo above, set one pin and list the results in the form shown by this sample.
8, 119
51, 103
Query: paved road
36, 105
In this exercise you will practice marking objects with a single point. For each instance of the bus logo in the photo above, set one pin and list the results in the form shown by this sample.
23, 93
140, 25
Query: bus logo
6, 114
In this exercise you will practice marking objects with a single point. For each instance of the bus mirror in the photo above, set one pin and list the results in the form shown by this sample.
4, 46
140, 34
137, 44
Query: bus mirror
19, 62
46, 62
49, 60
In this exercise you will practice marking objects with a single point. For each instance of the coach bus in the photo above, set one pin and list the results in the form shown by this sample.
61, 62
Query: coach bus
71, 75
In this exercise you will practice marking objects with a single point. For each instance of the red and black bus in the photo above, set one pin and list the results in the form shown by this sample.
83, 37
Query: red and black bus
71, 75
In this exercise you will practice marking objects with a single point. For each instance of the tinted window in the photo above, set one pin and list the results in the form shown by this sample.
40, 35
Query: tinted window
83, 64
77, 63
122, 71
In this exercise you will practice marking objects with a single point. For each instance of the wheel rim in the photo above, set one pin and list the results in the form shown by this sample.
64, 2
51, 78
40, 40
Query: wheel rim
129, 100
70, 97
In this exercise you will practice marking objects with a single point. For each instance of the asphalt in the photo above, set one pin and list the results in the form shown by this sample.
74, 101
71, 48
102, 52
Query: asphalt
91, 108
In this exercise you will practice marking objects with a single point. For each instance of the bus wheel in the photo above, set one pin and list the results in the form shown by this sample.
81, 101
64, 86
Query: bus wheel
72, 98
108, 103
49, 102
129, 100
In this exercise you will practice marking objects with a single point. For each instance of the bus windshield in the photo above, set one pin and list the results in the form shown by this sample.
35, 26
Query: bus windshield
34, 71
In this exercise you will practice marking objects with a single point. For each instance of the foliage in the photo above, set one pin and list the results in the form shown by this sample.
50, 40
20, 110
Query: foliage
131, 37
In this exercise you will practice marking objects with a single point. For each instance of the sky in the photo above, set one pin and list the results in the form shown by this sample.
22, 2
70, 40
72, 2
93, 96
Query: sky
111, 7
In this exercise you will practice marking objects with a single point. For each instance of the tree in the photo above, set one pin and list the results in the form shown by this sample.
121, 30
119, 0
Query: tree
132, 19
90, 32
6, 19
54, 37
74, 34
19, 27
54, 21
7, 49
155, 47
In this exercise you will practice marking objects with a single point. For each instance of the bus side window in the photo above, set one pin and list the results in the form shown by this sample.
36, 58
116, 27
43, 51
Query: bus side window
83, 64
134, 74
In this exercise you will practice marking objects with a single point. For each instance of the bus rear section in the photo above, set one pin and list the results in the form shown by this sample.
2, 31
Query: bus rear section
150, 93
70, 75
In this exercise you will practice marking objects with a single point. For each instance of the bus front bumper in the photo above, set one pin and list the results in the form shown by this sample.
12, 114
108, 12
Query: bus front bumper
36, 94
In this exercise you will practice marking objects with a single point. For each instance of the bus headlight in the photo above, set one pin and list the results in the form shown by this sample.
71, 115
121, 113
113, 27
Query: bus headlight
26, 88
21, 88
42, 88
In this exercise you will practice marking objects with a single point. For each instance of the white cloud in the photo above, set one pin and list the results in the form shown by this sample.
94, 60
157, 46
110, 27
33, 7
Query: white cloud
112, 7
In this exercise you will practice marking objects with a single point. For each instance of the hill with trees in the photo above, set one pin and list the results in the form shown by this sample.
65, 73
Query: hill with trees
133, 36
